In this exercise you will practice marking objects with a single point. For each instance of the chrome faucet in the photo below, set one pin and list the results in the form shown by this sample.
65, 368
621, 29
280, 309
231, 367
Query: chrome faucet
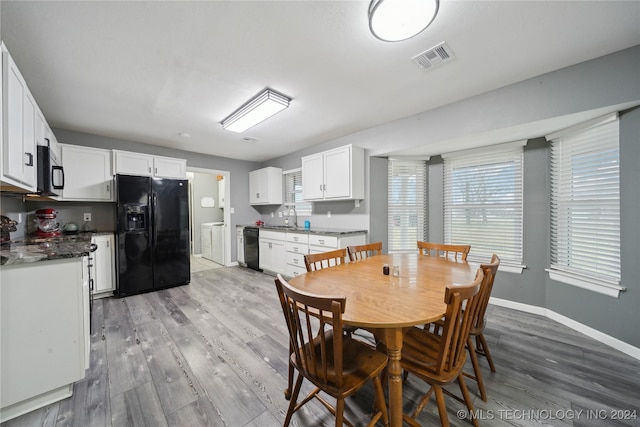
295, 218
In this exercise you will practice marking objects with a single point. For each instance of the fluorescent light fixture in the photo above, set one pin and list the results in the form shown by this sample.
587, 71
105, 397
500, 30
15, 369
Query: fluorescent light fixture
258, 109
396, 20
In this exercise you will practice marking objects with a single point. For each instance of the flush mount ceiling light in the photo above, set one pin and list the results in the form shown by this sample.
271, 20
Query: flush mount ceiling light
259, 108
396, 20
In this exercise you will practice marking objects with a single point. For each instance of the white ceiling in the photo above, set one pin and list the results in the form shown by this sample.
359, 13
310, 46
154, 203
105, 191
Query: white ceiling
148, 71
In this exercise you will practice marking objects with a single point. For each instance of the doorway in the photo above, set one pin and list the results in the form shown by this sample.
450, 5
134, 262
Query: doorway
209, 203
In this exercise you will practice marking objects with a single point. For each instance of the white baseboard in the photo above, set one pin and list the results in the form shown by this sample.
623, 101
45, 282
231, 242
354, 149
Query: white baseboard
615, 343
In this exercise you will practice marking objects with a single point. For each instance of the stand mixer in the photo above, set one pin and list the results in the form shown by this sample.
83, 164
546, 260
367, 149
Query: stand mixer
47, 224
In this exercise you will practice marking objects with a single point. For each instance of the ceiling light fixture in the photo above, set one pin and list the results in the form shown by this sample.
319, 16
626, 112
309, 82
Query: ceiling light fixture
396, 20
258, 109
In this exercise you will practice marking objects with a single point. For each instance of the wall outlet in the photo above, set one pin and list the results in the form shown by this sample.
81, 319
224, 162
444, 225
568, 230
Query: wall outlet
279, 214
271, 214
328, 214
87, 216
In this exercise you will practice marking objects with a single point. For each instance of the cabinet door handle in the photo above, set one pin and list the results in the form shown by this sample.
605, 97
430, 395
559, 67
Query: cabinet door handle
149, 169
295, 239
155, 171
29, 161
320, 187
295, 261
324, 187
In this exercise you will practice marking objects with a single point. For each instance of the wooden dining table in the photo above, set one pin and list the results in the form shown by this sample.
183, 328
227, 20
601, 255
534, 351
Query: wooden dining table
388, 305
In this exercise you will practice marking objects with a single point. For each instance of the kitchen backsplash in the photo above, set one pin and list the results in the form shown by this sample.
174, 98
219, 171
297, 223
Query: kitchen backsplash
102, 214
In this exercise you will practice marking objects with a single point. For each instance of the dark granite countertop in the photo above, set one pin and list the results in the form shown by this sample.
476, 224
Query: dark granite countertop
312, 230
45, 249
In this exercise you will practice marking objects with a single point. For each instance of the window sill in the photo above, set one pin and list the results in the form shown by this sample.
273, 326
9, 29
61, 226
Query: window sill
516, 269
604, 288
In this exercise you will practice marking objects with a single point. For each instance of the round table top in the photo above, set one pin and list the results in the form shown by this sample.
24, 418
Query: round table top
375, 300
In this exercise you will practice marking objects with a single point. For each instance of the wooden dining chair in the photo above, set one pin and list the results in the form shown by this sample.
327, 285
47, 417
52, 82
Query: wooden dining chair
334, 363
478, 324
442, 250
315, 262
359, 252
438, 359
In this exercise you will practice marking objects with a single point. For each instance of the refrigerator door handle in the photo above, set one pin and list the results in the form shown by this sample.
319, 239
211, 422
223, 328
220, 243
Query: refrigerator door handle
154, 236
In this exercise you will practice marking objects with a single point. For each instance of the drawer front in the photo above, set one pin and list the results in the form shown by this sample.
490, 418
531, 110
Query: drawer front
329, 242
296, 260
293, 271
298, 248
298, 238
273, 235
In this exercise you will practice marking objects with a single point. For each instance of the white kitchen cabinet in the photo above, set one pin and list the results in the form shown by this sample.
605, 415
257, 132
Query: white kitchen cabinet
18, 165
297, 246
272, 251
88, 174
43, 339
168, 167
336, 174
103, 270
240, 243
130, 163
45, 136
323, 243
265, 186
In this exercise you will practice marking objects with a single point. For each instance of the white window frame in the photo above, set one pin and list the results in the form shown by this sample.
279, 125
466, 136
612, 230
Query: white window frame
401, 236
582, 212
486, 168
294, 197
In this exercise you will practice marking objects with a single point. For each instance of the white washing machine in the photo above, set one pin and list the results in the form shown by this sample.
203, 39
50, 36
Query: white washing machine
212, 241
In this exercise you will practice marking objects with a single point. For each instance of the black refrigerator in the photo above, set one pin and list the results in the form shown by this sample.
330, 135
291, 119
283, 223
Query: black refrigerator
152, 234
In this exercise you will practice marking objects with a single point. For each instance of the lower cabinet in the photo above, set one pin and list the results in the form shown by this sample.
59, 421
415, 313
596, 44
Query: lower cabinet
272, 251
297, 247
42, 343
103, 270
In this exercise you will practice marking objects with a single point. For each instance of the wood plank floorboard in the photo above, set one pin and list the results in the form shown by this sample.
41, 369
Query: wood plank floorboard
214, 353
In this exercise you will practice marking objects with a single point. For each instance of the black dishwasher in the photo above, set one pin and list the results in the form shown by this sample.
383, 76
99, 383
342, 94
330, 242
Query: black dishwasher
251, 247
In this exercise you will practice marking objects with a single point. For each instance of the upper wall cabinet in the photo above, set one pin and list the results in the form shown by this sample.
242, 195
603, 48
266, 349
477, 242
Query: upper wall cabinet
265, 186
18, 125
87, 174
336, 174
128, 163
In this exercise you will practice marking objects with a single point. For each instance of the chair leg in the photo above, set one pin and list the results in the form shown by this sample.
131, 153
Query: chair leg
287, 392
485, 350
380, 402
292, 402
467, 399
442, 406
476, 369
339, 412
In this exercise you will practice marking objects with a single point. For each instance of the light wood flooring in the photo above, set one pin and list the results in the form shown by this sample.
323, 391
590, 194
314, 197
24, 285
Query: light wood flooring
214, 353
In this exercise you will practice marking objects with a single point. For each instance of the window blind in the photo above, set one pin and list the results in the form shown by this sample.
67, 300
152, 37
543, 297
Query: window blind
585, 201
483, 202
293, 192
407, 204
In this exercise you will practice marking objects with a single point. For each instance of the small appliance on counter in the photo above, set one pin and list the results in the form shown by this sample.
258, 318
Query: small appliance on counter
7, 225
47, 224
70, 228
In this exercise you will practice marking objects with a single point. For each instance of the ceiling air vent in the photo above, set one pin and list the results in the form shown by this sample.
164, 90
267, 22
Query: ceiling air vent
433, 57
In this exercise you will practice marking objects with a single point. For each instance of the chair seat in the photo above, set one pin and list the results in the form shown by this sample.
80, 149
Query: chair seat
360, 364
420, 350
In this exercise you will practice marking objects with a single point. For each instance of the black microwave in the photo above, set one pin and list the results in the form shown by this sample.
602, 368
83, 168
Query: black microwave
50, 173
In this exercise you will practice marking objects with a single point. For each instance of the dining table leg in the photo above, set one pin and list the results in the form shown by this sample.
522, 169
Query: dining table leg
393, 342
